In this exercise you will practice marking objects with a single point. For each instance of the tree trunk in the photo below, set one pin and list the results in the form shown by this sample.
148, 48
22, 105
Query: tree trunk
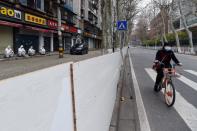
164, 26
189, 33
175, 33
106, 11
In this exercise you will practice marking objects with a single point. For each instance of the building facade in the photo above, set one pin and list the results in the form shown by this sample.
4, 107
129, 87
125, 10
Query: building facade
34, 23
189, 10
89, 21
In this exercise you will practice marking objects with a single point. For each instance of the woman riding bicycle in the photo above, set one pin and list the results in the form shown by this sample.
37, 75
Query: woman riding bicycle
162, 60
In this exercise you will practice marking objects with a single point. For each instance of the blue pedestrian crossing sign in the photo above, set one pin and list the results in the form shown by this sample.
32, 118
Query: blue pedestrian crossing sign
122, 25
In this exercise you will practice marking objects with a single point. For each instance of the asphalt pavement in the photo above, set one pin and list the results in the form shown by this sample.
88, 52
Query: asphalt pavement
183, 115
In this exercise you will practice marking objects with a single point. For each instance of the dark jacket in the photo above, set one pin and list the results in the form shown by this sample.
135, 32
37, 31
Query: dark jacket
165, 57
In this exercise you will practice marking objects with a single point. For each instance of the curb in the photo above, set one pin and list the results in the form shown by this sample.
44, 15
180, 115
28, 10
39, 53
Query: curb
116, 112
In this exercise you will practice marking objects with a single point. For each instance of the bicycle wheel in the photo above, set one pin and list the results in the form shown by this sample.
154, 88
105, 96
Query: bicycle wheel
169, 94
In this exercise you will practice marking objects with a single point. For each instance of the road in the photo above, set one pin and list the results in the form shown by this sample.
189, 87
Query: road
12, 68
183, 115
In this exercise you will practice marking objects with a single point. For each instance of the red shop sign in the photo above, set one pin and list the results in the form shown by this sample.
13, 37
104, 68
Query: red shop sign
66, 27
52, 24
72, 29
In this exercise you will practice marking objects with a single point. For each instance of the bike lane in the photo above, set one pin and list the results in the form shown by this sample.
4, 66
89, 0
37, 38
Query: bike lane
160, 117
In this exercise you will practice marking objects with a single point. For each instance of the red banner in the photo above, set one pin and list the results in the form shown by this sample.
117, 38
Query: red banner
73, 29
10, 24
52, 24
65, 27
40, 29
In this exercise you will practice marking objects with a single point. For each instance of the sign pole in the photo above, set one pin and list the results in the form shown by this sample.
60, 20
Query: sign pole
61, 55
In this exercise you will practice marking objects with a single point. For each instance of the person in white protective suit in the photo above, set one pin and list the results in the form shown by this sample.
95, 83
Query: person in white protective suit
31, 51
21, 51
42, 51
8, 52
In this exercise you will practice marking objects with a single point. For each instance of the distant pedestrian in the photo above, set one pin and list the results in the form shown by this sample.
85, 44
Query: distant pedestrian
42, 51
21, 51
31, 51
8, 52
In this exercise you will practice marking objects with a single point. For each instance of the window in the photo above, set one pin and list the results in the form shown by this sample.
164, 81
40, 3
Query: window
39, 4
71, 3
31, 3
36, 4
23, 2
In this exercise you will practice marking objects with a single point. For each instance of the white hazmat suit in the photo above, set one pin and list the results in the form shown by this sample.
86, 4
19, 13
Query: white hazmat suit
21, 51
31, 51
8, 52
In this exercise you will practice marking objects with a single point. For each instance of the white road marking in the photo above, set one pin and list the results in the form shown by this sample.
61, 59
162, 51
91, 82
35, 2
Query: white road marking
188, 82
186, 110
143, 120
192, 72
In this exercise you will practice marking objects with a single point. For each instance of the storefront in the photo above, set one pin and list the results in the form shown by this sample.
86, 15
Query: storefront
36, 37
24, 28
6, 37
69, 36
34, 33
93, 41
9, 20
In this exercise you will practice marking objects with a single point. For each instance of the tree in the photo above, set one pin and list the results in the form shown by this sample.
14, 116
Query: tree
164, 6
168, 11
171, 15
142, 28
129, 12
106, 14
189, 33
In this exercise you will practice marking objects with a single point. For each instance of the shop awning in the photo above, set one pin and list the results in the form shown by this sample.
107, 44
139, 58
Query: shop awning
6, 23
40, 29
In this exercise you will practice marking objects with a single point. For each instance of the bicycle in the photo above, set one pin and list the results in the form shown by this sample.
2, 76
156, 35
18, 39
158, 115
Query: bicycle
167, 84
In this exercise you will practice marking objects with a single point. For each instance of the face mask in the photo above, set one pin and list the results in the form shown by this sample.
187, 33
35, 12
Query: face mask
168, 48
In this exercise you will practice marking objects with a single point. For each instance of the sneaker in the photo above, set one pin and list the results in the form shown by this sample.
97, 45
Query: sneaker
156, 88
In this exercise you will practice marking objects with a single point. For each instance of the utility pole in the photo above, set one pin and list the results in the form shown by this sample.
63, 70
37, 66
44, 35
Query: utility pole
112, 38
61, 55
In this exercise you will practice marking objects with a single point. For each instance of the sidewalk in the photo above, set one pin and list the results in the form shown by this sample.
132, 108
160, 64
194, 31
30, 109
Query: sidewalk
20, 58
124, 114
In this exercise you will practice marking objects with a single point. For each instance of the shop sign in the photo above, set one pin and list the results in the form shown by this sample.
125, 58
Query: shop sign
72, 29
8, 12
65, 27
52, 24
35, 19
87, 34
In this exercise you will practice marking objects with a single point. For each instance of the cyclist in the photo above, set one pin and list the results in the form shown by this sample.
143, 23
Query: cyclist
162, 60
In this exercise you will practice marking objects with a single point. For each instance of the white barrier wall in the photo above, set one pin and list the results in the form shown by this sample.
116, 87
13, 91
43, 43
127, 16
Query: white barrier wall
95, 82
37, 101
42, 100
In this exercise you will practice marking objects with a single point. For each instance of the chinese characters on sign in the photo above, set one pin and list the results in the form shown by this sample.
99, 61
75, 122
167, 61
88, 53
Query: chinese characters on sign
35, 19
52, 24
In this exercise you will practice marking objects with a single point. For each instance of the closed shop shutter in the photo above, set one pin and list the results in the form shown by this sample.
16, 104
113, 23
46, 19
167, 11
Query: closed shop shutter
6, 38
